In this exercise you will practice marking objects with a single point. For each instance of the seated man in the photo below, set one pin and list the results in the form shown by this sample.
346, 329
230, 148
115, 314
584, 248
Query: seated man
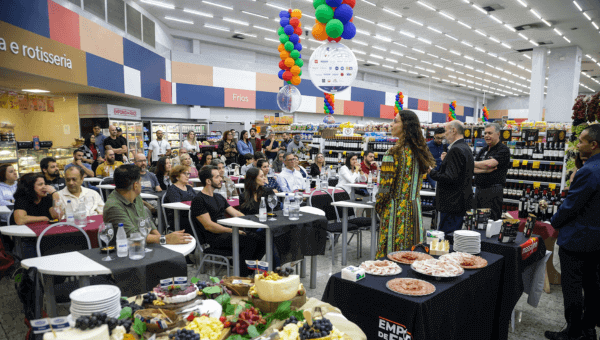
124, 205
207, 208
150, 183
51, 173
177, 160
218, 163
107, 168
290, 179
250, 161
75, 193
78, 161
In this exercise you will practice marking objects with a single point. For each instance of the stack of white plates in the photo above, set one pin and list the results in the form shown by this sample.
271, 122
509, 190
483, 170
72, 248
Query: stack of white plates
467, 241
96, 299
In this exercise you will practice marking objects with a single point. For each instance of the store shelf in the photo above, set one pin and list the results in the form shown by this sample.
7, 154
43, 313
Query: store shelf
541, 162
508, 200
8, 161
531, 182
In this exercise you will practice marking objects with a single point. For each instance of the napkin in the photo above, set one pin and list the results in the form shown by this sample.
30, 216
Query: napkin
493, 228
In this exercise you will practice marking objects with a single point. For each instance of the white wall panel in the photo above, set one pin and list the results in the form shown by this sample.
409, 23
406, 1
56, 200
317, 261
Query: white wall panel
133, 85
309, 104
234, 79
345, 95
174, 92
390, 98
167, 69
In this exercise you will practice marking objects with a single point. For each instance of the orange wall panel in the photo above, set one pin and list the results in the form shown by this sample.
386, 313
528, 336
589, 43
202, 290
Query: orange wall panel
268, 82
460, 110
321, 105
436, 107
184, 73
100, 41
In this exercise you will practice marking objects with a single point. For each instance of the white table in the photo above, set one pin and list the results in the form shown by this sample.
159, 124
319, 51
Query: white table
304, 194
177, 206
76, 264
198, 188
194, 180
353, 186
349, 204
93, 179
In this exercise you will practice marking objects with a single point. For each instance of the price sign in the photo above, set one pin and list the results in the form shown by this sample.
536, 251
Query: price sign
375, 154
524, 162
536, 185
552, 186
362, 154
348, 132
536, 165
330, 152
516, 163
552, 163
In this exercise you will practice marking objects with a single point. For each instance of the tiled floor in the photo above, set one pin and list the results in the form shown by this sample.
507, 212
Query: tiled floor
534, 321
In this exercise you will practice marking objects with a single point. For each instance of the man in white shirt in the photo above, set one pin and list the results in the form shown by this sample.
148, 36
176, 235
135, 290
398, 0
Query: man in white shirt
289, 179
158, 148
75, 193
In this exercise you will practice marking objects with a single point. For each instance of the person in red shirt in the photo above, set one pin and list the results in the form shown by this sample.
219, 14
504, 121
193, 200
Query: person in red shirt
369, 164
255, 140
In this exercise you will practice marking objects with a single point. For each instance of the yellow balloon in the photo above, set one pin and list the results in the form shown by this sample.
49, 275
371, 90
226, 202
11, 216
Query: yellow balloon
297, 13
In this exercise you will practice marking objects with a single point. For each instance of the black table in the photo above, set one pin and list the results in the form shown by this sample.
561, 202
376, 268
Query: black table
461, 308
515, 262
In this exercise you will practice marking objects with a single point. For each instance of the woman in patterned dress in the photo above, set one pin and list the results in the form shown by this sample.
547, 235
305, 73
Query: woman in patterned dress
398, 200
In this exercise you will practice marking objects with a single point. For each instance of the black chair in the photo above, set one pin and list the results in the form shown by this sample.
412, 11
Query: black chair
207, 254
334, 226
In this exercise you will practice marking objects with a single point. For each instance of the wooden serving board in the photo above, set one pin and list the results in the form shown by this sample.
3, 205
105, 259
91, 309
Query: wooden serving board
165, 335
174, 305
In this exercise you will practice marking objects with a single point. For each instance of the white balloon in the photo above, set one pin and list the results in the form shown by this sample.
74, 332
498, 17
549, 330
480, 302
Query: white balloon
333, 67
289, 98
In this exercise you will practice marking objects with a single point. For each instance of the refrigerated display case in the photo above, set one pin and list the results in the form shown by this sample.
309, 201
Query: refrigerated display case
8, 154
133, 133
29, 159
176, 133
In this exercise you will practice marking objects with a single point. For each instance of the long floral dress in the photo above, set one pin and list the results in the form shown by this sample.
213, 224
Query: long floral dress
399, 203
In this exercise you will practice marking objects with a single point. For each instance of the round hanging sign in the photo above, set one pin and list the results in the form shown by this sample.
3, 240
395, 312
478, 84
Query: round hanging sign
333, 67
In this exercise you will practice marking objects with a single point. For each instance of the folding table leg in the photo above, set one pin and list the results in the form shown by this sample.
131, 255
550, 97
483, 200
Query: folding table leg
313, 272
344, 236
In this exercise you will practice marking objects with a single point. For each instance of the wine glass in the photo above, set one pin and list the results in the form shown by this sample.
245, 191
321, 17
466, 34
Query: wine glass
145, 227
230, 190
272, 200
59, 208
106, 233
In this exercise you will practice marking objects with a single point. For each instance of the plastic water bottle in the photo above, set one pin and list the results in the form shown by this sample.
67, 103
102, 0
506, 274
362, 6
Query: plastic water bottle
69, 212
80, 216
262, 210
294, 214
307, 183
121, 242
286, 206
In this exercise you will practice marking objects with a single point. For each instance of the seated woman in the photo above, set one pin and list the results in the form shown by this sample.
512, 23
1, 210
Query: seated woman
299, 168
180, 191
34, 201
163, 173
350, 172
254, 190
318, 167
8, 187
278, 162
207, 158
187, 161
263, 164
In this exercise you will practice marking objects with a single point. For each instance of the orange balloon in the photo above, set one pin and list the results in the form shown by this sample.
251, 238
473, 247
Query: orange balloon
281, 48
289, 62
284, 55
296, 80
297, 13
295, 70
318, 32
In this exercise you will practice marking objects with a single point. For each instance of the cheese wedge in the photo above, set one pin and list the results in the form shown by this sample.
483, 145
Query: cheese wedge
284, 289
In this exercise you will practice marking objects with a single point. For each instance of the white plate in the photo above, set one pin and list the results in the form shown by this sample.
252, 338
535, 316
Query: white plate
99, 304
210, 307
95, 294
398, 271
467, 233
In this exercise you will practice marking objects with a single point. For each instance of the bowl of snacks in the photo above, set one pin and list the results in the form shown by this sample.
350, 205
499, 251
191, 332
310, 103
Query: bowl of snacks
157, 320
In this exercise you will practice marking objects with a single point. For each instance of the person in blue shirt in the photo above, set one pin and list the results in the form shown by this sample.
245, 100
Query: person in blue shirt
99, 140
436, 148
244, 146
577, 220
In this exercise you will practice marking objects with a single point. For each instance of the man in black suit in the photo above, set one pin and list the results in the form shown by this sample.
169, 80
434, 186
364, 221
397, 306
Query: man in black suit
454, 179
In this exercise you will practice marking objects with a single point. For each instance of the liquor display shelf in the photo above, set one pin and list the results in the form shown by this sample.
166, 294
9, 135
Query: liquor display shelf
537, 160
530, 182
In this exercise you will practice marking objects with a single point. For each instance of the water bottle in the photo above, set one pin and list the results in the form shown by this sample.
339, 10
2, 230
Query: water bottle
262, 210
286, 206
69, 213
294, 213
80, 215
121, 242
307, 183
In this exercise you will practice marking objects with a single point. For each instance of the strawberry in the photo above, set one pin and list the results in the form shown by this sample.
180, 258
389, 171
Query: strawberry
265, 274
227, 324
300, 292
190, 317
223, 319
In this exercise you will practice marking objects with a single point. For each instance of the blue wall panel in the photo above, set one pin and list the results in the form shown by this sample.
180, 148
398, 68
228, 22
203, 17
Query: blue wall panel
151, 66
31, 15
469, 111
412, 103
105, 74
150, 85
437, 117
307, 88
461, 118
266, 101
200, 95
372, 99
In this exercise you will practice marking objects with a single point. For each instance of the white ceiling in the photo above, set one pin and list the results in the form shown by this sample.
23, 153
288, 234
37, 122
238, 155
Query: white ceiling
482, 57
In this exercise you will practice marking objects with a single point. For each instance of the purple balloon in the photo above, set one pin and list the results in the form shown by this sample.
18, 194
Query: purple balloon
294, 38
343, 13
349, 31
289, 29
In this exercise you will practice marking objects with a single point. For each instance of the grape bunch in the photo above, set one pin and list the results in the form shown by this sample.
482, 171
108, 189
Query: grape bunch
320, 328
98, 319
134, 307
284, 272
184, 334
292, 320
148, 298
246, 318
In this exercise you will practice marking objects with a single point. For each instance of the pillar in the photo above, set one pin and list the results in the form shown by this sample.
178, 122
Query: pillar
538, 80
563, 83
196, 46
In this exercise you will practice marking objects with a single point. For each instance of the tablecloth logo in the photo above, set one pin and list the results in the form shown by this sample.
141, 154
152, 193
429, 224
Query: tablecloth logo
528, 248
390, 330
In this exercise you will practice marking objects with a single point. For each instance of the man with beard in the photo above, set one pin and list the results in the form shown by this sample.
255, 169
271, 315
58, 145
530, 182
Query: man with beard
207, 208
116, 144
107, 168
369, 164
158, 148
437, 148
78, 161
256, 141
149, 181
51, 173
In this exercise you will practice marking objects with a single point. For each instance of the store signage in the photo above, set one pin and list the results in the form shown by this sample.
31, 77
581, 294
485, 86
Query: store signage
244, 99
390, 330
37, 53
348, 132
122, 112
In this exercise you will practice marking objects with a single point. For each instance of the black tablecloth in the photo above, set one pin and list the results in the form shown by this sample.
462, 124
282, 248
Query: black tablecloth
511, 286
296, 239
461, 308
140, 276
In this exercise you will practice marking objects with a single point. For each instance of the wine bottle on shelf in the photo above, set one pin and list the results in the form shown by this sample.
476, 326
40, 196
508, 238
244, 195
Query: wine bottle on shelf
548, 173
551, 206
534, 204
561, 152
506, 190
530, 151
523, 205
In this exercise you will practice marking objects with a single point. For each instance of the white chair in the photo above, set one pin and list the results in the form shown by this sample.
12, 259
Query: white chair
9, 217
60, 224
205, 254
164, 213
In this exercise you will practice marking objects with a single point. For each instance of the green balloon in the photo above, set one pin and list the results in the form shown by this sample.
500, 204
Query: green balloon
289, 82
283, 38
294, 54
289, 46
334, 28
326, 110
280, 31
317, 3
300, 74
299, 62
324, 13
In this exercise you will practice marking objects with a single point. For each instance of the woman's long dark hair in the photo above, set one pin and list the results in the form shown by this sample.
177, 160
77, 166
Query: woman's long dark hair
88, 140
251, 188
26, 187
349, 156
413, 138
161, 166
206, 153
242, 136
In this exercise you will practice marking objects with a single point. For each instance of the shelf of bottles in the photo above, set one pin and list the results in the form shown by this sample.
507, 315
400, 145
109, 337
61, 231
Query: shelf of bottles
526, 200
336, 148
380, 146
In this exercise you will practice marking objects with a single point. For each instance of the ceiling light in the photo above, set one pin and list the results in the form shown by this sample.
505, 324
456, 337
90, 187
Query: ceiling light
511, 63
547, 23
451, 76
159, 4
368, 3
536, 44
191, 11
506, 45
479, 61
425, 5
414, 21
492, 55
578, 7
234, 21
569, 41
306, 15
432, 55
379, 48
454, 52
397, 53
446, 60
468, 57
363, 32
401, 69
413, 72
494, 40
264, 28
386, 27
383, 38
360, 42
479, 49
410, 35
420, 68
425, 62
372, 62
219, 28
376, 56
447, 16
392, 12
36, 91
441, 47
526, 56
481, 33
358, 51
256, 15
469, 67
246, 34
430, 70
595, 26
180, 20
451, 37
462, 23
433, 29
392, 60
276, 6
425, 41
409, 57
496, 19
510, 27
438, 65
226, 7
480, 9
405, 64
466, 43
587, 16
363, 19
399, 44
522, 3
273, 40
417, 50
523, 36
557, 32
388, 66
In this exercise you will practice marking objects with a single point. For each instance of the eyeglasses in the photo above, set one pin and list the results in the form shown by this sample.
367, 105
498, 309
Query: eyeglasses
188, 174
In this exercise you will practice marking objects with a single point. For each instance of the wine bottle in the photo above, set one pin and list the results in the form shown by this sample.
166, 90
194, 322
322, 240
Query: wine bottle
523, 205
551, 206
534, 204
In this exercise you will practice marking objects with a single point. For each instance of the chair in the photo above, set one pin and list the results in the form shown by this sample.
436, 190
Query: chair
164, 213
205, 253
334, 227
106, 180
363, 223
9, 217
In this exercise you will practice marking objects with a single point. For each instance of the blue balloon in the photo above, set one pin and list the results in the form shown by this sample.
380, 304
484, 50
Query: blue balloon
349, 31
284, 14
294, 38
280, 74
333, 3
284, 22
298, 46
300, 56
289, 29
343, 13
